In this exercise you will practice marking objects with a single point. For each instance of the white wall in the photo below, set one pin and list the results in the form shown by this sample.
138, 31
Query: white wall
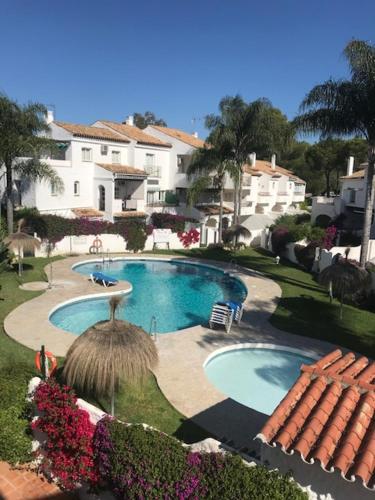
321, 485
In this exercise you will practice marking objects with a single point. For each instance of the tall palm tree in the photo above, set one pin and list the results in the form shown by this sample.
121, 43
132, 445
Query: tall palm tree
212, 165
246, 127
345, 108
21, 145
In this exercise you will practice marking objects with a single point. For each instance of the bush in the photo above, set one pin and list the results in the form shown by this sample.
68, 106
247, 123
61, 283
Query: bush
305, 255
67, 453
280, 237
144, 463
52, 228
349, 239
169, 221
15, 436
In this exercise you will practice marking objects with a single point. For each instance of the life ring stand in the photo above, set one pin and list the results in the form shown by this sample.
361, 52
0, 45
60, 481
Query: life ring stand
51, 363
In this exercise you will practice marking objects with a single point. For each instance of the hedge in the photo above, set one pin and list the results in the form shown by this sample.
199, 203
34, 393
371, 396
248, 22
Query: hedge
15, 436
169, 221
138, 462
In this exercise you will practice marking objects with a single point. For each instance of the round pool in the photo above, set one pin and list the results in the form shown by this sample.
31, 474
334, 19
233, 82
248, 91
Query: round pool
257, 377
178, 294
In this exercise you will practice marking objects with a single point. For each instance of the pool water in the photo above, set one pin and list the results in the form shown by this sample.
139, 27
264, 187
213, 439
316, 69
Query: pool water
256, 377
179, 295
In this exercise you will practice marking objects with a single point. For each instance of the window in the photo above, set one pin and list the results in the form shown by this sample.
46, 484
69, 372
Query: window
104, 149
352, 194
101, 198
116, 157
86, 154
53, 189
76, 188
181, 164
150, 160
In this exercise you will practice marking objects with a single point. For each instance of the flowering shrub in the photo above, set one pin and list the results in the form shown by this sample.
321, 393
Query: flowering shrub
144, 463
189, 237
169, 221
68, 452
329, 237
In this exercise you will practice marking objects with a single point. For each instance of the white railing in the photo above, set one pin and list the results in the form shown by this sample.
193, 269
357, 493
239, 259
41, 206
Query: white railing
152, 170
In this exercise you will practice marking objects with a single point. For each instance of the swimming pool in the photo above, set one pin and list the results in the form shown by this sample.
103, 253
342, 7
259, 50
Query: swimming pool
257, 377
178, 294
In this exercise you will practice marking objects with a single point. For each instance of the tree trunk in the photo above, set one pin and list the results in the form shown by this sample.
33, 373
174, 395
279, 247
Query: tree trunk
221, 214
9, 197
235, 200
328, 184
369, 205
240, 196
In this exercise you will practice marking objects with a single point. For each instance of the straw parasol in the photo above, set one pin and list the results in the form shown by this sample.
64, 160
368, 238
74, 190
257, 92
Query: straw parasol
345, 278
107, 353
21, 242
235, 231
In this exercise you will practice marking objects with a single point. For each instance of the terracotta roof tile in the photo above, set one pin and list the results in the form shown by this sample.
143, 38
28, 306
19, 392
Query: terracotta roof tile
135, 133
262, 166
87, 212
91, 132
329, 416
129, 214
122, 169
360, 174
181, 135
213, 209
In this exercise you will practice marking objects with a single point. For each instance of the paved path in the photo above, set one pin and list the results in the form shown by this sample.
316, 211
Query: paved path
180, 373
22, 484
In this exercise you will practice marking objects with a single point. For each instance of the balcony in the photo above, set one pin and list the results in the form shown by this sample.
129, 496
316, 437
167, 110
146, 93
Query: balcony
152, 170
134, 204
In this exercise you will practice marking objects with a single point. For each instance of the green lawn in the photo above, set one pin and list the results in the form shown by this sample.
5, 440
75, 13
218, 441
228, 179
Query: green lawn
304, 308
146, 404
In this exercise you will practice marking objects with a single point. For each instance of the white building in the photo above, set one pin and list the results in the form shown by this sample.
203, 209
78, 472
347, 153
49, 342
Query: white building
114, 170
349, 204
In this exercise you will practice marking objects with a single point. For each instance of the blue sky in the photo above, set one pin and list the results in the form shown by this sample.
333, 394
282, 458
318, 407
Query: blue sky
106, 59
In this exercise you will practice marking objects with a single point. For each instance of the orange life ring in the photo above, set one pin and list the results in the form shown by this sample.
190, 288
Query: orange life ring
51, 362
97, 243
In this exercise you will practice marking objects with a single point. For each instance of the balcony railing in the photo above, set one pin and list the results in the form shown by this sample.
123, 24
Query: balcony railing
152, 170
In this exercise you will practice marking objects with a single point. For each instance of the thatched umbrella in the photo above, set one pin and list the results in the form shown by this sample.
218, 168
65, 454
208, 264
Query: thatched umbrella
344, 278
107, 353
234, 232
21, 242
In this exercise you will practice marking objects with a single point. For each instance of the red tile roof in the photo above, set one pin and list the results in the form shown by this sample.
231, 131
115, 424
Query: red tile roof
122, 169
329, 416
181, 135
135, 133
91, 132
266, 167
87, 212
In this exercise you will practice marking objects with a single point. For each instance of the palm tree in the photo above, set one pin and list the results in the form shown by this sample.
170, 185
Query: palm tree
108, 353
212, 165
344, 279
345, 108
21, 145
246, 127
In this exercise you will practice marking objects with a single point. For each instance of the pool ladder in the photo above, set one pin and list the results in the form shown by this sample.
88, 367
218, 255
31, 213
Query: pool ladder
153, 327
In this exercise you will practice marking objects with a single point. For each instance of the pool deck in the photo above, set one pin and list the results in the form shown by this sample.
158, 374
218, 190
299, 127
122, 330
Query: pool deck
180, 372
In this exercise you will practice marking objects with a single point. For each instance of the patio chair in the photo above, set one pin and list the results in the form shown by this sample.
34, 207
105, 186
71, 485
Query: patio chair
222, 315
103, 279
237, 308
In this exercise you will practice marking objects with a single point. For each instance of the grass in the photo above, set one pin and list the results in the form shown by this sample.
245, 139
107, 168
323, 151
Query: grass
147, 404
304, 308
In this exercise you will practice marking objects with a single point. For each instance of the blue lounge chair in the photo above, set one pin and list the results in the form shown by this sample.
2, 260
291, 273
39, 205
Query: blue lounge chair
104, 279
236, 307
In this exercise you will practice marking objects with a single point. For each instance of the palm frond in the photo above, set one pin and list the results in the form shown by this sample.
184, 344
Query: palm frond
197, 187
37, 170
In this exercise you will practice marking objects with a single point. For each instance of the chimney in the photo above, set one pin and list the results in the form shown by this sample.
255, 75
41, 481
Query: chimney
253, 159
195, 134
273, 162
130, 120
49, 117
350, 167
